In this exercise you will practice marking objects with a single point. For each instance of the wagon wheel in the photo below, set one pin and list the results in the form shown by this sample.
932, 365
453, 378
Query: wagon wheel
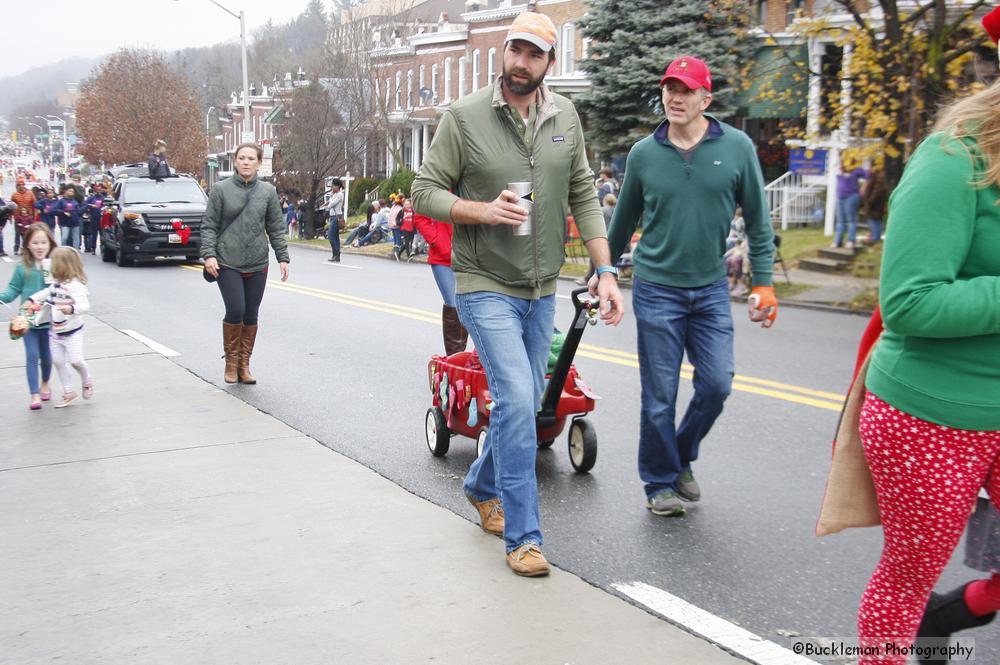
480, 442
436, 429
582, 445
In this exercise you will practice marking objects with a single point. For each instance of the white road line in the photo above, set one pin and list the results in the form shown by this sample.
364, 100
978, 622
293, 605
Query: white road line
7, 259
343, 265
559, 295
155, 346
712, 628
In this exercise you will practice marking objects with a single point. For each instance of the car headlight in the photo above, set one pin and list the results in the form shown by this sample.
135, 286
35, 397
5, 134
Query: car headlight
135, 220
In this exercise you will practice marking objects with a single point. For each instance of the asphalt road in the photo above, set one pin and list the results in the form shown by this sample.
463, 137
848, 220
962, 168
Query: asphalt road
341, 355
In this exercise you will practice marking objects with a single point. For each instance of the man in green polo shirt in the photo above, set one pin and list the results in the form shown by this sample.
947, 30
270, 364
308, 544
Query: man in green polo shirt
684, 182
506, 263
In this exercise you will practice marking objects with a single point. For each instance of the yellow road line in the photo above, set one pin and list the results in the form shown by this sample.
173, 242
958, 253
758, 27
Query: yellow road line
739, 377
775, 389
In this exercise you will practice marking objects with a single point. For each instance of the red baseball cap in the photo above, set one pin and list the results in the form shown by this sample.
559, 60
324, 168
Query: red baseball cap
690, 71
992, 24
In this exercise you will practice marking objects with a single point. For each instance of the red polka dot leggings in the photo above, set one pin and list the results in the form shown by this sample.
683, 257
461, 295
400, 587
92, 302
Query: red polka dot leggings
926, 477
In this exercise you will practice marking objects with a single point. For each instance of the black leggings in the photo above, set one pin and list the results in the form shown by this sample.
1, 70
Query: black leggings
242, 293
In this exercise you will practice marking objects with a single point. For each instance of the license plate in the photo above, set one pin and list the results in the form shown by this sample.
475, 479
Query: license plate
173, 238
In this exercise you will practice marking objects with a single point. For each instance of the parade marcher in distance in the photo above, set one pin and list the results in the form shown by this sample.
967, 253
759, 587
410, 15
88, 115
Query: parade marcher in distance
67, 212
684, 182
24, 216
157, 162
242, 217
31, 276
930, 424
512, 131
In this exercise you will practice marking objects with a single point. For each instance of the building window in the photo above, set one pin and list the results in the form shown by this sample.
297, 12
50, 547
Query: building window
794, 8
434, 83
447, 79
461, 77
422, 76
388, 92
491, 72
585, 48
399, 88
568, 49
762, 12
409, 89
475, 70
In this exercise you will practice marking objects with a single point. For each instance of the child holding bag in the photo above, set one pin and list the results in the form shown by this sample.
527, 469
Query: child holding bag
69, 300
30, 276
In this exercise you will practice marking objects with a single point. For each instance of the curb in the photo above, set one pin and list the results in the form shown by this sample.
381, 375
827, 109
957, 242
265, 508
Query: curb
422, 258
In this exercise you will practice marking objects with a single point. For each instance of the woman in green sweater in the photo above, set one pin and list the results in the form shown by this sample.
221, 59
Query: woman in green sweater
29, 278
931, 419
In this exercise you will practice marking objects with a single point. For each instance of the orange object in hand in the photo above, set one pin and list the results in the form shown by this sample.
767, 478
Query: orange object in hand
763, 305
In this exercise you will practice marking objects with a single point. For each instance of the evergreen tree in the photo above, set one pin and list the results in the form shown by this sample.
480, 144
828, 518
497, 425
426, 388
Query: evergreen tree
633, 41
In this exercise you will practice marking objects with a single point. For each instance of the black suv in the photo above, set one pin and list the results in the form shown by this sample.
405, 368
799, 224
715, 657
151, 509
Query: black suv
151, 218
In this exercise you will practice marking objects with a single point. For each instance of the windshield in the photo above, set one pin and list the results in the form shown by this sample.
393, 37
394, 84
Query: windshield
163, 191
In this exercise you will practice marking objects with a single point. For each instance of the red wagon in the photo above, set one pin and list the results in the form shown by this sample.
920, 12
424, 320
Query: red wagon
461, 398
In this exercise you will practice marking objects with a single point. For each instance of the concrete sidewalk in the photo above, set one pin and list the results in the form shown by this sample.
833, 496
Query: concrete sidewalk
167, 521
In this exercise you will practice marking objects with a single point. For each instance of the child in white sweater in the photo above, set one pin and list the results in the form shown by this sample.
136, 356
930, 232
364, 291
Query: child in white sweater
68, 300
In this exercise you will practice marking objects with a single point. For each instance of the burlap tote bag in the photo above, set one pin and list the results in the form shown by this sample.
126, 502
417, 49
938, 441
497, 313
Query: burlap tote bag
849, 500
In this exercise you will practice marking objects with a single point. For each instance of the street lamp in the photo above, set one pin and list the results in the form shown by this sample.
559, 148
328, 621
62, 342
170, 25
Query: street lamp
246, 86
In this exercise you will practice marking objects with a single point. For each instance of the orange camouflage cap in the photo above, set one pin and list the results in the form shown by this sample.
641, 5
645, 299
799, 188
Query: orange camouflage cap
535, 28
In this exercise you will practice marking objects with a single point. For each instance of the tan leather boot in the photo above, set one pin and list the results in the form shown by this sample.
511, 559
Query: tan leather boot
247, 339
231, 345
455, 335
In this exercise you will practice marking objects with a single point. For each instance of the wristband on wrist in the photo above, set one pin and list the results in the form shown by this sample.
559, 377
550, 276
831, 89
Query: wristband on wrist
607, 269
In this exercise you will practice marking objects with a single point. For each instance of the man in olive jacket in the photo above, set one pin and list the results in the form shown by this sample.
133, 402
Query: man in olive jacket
514, 131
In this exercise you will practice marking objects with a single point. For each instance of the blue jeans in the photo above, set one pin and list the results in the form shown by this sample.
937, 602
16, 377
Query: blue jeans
512, 336
444, 276
847, 215
36, 351
875, 229
333, 235
71, 236
671, 321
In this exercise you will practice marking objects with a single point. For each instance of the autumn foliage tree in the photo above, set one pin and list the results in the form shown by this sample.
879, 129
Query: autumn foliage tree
133, 99
902, 62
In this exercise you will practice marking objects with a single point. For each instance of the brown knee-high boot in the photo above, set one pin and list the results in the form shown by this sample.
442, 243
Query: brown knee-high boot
246, 350
455, 335
231, 345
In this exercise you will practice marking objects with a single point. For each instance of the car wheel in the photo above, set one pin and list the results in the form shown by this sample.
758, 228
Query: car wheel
121, 258
107, 254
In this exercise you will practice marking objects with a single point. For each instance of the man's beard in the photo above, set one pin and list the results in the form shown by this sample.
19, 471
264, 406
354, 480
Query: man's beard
522, 88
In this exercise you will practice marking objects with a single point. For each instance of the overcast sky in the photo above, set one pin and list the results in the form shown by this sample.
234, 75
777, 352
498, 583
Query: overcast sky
76, 28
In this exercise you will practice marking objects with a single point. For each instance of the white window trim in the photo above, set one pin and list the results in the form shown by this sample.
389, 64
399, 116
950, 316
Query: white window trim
434, 83
447, 79
399, 88
409, 89
461, 77
476, 63
568, 54
491, 72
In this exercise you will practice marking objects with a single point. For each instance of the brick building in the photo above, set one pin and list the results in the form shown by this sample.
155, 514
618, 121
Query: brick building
419, 76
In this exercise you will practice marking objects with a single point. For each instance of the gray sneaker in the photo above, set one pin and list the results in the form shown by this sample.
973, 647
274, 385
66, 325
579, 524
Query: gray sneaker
665, 503
687, 486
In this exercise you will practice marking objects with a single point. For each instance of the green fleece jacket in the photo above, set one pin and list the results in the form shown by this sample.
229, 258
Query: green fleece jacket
243, 246
24, 283
686, 208
939, 357
478, 148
